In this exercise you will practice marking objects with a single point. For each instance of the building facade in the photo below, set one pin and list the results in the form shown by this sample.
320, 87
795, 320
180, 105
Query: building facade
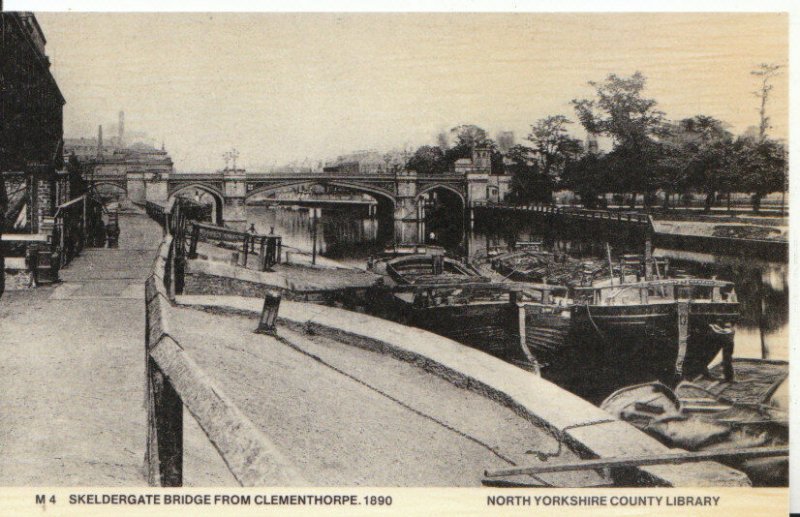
31, 126
110, 163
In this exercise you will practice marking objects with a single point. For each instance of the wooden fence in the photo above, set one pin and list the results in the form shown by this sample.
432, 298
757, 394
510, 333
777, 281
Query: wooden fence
573, 213
269, 246
175, 381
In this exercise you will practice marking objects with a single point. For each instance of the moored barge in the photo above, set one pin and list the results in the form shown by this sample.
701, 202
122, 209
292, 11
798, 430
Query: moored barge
605, 337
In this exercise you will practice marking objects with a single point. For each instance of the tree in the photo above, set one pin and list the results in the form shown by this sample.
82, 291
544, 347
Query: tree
689, 159
552, 145
428, 160
587, 177
621, 112
711, 171
765, 71
468, 137
762, 167
528, 183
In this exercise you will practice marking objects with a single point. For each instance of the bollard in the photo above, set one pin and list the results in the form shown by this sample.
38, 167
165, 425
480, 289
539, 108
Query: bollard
269, 314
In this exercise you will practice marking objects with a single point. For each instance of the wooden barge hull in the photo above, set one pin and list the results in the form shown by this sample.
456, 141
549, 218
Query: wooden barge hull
607, 347
592, 350
484, 326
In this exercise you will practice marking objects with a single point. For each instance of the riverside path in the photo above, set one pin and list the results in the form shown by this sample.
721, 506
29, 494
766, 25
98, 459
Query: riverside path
72, 372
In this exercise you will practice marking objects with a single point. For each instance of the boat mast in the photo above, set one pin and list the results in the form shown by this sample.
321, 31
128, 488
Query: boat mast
610, 264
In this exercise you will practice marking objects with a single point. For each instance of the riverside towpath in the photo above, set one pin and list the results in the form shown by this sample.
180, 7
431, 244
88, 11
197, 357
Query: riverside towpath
72, 373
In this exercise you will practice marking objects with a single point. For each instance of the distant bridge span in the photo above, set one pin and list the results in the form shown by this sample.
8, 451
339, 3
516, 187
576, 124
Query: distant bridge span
397, 193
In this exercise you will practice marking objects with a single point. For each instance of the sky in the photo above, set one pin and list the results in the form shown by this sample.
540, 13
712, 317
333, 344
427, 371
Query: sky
282, 87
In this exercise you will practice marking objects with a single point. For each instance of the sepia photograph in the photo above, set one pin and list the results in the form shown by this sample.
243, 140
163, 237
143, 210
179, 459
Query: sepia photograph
510, 251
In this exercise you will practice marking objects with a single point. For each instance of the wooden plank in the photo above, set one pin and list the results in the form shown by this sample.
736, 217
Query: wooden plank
639, 461
164, 454
251, 457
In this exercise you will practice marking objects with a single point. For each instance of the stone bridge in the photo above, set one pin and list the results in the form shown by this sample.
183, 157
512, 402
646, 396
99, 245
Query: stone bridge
397, 194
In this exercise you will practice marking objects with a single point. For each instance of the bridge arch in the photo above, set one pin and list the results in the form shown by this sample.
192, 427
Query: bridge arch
121, 185
443, 186
442, 215
377, 193
110, 189
218, 200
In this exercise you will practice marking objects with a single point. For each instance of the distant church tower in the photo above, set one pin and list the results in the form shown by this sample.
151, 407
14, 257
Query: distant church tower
122, 129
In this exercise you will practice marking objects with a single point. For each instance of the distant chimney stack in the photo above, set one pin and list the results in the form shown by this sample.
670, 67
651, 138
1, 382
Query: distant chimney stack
99, 140
122, 129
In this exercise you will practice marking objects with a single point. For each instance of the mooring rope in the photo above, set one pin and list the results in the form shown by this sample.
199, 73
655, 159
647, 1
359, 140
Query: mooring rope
477, 441
559, 436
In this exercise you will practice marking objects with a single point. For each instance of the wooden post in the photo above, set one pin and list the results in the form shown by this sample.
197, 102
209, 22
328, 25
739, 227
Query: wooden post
164, 455
727, 360
172, 271
610, 264
761, 319
193, 241
262, 254
682, 309
269, 313
438, 264
272, 252
246, 250
314, 237
648, 257
83, 220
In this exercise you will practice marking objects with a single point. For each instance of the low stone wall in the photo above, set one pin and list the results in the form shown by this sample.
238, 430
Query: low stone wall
202, 277
197, 280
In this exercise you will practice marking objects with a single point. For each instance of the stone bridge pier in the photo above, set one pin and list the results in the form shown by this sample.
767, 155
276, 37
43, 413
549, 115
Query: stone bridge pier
234, 209
408, 217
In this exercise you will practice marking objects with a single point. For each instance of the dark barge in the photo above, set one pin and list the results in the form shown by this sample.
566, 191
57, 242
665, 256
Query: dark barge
591, 340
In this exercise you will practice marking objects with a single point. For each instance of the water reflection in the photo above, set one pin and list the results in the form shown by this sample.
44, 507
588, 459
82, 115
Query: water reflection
349, 235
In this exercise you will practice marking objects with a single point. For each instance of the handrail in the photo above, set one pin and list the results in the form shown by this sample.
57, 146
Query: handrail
583, 213
175, 381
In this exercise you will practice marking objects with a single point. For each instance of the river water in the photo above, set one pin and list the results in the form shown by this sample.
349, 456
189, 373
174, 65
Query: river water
349, 236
